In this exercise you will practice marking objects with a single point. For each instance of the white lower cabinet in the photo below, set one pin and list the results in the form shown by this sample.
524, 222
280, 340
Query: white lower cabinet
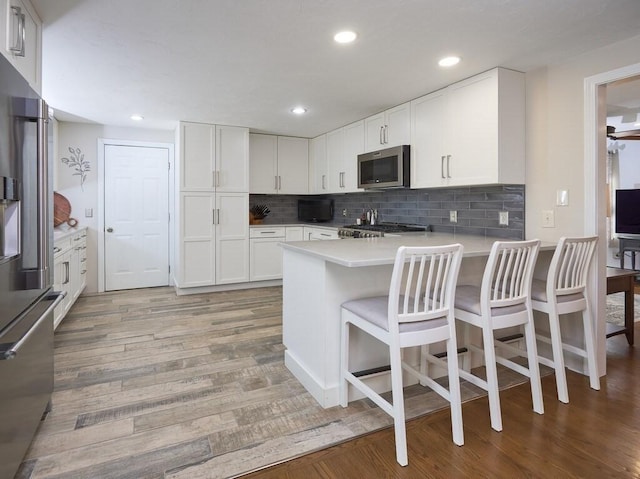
266, 254
215, 239
69, 271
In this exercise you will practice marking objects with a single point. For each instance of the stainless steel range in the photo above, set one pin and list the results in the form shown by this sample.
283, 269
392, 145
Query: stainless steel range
372, 231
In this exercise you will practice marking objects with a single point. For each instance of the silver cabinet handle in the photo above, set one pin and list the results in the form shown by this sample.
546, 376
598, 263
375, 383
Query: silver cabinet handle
382, 135
19, 48
268, 232
216, 177
279, 182
442, 167
342, 179
213, 214
218, 215
386, 134
448, 166
323, 178
67, 272
12, 352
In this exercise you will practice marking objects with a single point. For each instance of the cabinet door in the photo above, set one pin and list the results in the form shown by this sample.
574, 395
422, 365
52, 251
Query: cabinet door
294, 233
232, 159
197, 156
232, 238
335, 160
28, 59
318, 153
266, 259
353, 146
60, 281
293, 165
374, 132
428, 148
398, 126
197, 258
473, 108
263, 164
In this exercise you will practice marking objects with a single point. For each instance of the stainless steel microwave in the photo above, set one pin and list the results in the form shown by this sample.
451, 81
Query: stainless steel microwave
388, 168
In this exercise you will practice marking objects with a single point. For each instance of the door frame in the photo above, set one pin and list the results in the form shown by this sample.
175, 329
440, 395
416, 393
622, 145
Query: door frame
595, 151
102, 143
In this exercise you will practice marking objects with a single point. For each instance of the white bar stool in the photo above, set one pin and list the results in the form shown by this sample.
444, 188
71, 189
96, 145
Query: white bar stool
417, 311
565, 291
502, 301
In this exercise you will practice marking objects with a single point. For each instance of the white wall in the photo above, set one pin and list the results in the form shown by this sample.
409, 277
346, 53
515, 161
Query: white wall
85, 136
555, 136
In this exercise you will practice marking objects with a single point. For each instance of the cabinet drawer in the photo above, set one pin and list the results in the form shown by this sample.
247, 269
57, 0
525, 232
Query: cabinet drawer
275, 232
61, 246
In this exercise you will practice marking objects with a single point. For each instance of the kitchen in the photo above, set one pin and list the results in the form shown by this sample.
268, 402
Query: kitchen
551, 94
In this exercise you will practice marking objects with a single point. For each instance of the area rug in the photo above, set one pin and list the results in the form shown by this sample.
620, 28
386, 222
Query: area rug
615, 308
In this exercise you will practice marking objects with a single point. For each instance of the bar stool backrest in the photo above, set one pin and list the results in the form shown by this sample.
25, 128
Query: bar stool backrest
569, 266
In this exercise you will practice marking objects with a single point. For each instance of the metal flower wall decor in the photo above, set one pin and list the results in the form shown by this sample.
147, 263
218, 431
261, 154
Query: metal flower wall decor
78, 163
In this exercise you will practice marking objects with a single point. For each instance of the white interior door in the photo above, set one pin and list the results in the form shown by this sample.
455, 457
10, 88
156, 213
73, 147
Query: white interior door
136, 217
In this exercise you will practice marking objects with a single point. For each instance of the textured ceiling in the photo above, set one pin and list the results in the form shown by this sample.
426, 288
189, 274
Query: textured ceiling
247, 62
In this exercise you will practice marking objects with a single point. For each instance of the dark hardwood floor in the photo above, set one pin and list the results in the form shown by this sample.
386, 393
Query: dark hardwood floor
596, 435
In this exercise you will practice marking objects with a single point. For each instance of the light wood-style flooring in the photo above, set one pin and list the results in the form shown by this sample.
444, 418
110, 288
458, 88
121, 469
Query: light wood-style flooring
150, 385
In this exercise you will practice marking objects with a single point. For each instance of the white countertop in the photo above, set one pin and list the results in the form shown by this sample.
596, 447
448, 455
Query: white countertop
292, 225
63, 232
356, 252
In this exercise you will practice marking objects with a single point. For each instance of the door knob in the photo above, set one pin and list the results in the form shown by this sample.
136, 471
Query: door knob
109, 230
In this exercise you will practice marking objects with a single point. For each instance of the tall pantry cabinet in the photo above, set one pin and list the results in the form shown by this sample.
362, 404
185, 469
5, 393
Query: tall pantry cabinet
213, 205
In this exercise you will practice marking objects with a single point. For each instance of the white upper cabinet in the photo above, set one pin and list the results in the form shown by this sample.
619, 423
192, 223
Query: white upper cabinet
389, 128
263, 164
343, 147
318, 181
353, 146
335, 159
214, 158
21, 29
470, 133
279, 164
293, 165
232, 159
198, 160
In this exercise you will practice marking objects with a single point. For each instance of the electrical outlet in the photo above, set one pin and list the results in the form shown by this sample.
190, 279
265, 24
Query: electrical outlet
344, 212
453, 216
548, 219
503, 218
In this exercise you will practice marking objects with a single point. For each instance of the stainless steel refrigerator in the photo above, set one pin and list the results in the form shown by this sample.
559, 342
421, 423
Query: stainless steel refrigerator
26, 297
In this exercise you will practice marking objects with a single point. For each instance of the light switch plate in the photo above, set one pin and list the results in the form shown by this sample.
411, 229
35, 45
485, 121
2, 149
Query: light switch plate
562, 198
453, 216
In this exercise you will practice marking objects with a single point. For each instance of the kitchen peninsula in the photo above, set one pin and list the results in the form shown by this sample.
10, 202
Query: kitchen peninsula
319, 276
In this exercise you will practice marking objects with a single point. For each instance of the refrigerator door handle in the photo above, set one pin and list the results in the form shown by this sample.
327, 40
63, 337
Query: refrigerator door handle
43, 195
13, 350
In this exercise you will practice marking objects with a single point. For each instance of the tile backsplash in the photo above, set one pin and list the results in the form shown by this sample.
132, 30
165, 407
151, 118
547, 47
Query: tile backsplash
477, 208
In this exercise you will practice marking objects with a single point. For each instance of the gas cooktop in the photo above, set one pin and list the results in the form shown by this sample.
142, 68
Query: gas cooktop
367, 231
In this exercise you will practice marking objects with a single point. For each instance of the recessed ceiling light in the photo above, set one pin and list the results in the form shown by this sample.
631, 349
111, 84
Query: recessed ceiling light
137, 117
449, 61
345, 37
299, 110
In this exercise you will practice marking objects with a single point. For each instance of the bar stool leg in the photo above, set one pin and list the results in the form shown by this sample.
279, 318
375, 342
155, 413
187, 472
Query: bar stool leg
492, 379
558, 355
534, 367
594, 378
398, 407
